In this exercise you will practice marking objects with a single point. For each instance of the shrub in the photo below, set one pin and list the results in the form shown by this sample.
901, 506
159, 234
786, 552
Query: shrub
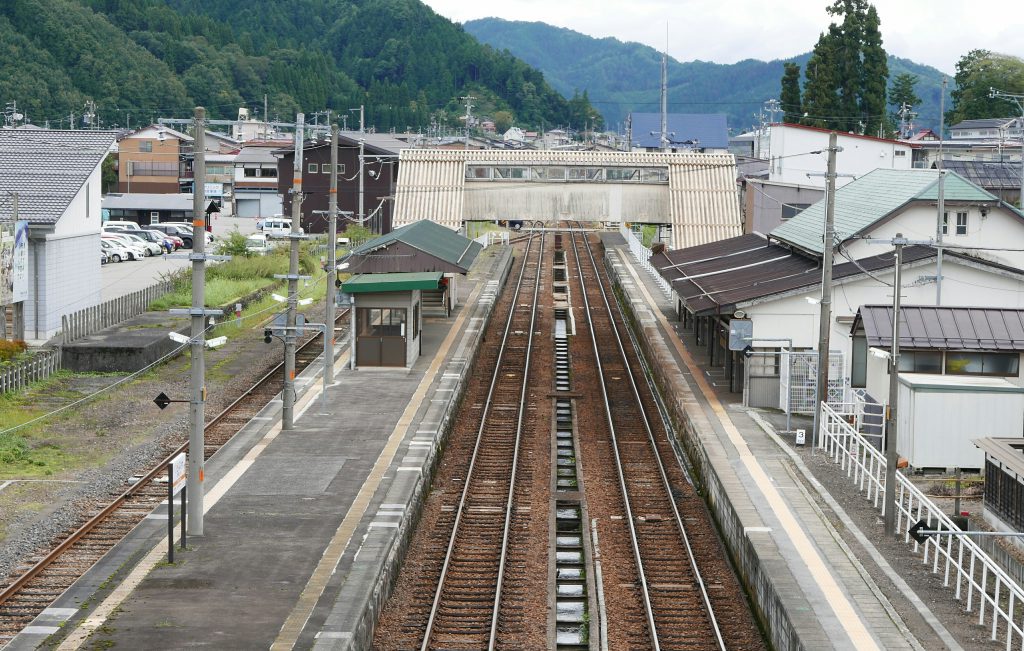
11, 349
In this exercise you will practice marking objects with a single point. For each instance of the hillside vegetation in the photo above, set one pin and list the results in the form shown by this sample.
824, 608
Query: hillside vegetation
143, 59
622, 77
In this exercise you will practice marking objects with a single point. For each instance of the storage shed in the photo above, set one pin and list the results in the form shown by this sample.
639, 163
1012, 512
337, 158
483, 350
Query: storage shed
387, 316
940, 416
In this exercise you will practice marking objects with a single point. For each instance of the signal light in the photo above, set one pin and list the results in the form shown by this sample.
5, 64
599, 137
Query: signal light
268, 335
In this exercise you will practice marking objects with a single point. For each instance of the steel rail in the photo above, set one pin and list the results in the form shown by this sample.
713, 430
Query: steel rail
460, 509
159, 468
654, 448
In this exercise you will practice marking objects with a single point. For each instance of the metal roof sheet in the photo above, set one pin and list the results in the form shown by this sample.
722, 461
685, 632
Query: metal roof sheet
870, 199
397, 282
709, 129
1007, 451
944, 328
993, 175
723, 275
433, 239
47, 168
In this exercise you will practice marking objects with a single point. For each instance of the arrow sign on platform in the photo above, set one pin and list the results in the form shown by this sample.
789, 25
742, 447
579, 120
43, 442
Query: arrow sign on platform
162, 400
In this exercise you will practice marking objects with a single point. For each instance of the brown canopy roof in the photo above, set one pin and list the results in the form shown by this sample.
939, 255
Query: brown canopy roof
943, 328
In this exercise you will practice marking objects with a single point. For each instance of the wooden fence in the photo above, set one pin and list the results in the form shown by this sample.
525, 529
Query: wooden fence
93, 319
40, 365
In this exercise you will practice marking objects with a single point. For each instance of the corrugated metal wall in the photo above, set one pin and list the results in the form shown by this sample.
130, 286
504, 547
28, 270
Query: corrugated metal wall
700, 200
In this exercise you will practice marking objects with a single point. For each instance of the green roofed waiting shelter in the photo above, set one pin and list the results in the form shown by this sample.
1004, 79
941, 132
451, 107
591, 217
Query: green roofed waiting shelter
387, 316
422, 246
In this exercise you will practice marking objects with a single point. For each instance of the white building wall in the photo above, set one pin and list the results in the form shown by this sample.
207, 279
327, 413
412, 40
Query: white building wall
859, 156
997, 229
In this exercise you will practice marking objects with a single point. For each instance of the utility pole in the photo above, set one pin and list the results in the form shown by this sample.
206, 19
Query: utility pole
664, 99
288, 399
942, 119
19, 307
362, 179
940, 226
825, 314
469, 116
362, 118
891, 456
1018, 99
332, 263
196, 439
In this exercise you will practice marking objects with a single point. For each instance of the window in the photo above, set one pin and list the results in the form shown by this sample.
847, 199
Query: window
325, 168
961, 223
382, 322
250, 172
900, 153
154, 217
921, 361
503, 173
945, 223
478, 172
998, 364
793, 209
622, 174
313, 168
859, 363
268, 172
146, 146
655, 175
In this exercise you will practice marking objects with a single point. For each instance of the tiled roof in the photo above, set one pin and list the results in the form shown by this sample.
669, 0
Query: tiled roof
944, 328
710, 129
871, 198
982, 123
431, 238
47, 168
993, 175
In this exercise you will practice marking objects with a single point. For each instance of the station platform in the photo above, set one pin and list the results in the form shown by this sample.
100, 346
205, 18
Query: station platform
305, 527
301, 526
799, 569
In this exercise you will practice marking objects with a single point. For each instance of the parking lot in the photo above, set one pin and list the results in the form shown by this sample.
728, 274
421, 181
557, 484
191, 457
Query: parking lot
126, 277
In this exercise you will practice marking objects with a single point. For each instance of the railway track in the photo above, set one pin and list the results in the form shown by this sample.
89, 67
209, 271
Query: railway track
677, 610
28, 594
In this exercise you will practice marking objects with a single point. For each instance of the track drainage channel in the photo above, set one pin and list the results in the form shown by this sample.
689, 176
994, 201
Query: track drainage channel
572, 621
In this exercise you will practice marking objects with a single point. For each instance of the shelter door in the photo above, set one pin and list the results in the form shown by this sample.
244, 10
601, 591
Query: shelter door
382, 336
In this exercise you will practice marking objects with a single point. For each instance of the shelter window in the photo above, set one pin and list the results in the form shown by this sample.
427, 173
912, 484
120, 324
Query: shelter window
382, 322
510, 173
622, 174
790, 210
921, 361
478, 172
997, 364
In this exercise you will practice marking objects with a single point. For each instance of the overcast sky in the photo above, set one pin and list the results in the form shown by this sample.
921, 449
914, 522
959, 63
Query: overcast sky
933, 32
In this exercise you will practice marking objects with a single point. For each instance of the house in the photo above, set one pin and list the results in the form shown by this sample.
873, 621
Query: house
220, 179
57, 176
255, 184
796, 172
145, 209
775, 281
987, 129
152, 160
686, 132
380, 169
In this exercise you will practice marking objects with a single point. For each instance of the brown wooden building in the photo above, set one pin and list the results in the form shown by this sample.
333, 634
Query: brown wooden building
380, 155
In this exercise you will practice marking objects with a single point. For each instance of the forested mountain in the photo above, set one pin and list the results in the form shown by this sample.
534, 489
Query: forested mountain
142, 59
622, 77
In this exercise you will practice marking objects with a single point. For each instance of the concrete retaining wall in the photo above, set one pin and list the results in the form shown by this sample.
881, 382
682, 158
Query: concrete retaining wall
707, 458
372, 579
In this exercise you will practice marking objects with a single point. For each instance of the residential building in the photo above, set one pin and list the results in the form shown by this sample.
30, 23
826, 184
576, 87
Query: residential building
380, 170
797, 156
255, 185
987, 129
153, 160
57, 176
776, 281
707, 133
1001, 178
220, 179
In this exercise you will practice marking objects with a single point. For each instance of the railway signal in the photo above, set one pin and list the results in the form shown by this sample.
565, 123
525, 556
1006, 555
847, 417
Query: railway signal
162, 400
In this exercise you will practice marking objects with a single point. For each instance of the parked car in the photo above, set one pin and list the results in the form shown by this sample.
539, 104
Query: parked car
103, 257
157, 238
149, 248
185, 235
278, 227
115, 252
125, 225
258, 243
135, 251
191, 229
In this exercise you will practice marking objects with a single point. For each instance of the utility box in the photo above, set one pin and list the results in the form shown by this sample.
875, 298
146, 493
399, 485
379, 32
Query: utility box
940, 415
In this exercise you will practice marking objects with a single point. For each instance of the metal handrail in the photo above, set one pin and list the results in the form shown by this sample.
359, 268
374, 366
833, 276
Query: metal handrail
643, 256
961, 557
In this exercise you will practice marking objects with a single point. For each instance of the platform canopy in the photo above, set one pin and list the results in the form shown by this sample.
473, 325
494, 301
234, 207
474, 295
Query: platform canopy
394, 282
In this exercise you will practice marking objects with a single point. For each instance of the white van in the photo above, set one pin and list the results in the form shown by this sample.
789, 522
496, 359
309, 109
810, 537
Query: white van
278, 227
128, 226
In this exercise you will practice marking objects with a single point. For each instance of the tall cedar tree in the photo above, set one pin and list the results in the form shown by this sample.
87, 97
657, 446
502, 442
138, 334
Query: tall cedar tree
977, 72
791, 94
847, 72
821, 102
902, 92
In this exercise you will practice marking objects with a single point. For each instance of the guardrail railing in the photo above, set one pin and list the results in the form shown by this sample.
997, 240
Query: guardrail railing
975, 577
643, 255
38, 366
85, 322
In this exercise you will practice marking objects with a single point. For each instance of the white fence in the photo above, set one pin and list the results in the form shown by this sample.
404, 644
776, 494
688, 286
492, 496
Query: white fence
977, 580
642, 255
40, 365
85, 322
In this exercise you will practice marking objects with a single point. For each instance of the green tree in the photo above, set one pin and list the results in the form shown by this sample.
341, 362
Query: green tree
977, 72
790, 96
903, 92
847, 71
503, 121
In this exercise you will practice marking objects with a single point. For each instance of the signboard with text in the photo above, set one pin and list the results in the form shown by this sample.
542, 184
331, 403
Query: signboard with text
178, 473
13, 262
